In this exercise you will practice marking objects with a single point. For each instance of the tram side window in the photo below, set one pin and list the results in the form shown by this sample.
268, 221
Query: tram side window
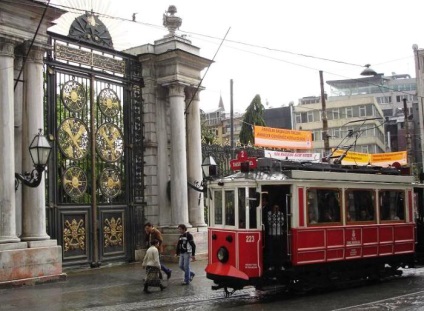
323, 205
360, 205
392, 205
242, 208
229, 208
218, 207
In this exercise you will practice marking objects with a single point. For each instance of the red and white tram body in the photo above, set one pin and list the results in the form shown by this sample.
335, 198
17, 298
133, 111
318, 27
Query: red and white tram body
309, 227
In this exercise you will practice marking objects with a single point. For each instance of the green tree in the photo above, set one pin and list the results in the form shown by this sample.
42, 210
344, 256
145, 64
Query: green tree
207, 134
253, 116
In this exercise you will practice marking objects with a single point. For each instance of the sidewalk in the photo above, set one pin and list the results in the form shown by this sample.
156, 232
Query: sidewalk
118, 285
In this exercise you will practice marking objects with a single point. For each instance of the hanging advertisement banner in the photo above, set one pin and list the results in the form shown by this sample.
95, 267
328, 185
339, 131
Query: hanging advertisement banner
386, 159
353, 158
282, 138
377, 159
293, 156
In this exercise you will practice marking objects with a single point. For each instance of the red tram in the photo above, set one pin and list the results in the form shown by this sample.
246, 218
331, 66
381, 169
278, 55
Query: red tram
306, 225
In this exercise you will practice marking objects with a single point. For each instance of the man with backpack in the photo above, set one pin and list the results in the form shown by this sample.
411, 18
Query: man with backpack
186, 249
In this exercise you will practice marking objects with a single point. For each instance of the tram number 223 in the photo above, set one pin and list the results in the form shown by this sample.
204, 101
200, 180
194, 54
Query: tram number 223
250, 238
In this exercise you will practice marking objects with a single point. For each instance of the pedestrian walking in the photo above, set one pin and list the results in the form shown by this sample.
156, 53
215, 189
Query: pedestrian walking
154, 234
186, 249
151, 263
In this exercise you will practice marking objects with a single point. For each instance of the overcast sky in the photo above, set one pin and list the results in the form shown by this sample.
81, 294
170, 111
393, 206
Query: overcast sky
273, 48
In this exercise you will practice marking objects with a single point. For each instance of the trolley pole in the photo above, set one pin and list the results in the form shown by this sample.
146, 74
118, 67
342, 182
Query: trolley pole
325, 135
231, 120
408, 135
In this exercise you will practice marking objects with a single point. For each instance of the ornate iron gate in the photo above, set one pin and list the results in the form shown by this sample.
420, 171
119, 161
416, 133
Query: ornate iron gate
95, 182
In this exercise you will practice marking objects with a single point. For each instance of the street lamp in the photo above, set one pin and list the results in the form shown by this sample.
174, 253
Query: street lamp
209, 167
39, 149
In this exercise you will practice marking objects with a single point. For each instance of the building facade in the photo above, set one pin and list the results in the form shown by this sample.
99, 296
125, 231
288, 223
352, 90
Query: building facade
359, 118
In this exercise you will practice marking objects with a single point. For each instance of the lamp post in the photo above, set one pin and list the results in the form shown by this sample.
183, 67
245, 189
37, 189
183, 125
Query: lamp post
39, 150
209, 169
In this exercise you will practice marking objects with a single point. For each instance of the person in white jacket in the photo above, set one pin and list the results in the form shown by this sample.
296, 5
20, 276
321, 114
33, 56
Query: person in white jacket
152, 264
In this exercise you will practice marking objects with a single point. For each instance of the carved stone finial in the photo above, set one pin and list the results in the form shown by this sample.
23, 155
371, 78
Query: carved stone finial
171, 21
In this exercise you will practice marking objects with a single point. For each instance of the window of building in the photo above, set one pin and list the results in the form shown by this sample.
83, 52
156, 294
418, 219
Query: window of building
369, 110
310, 116
298, 118
349, 112
336, 114
360, 205
384, 99
362, 111
316, 135
364, 149
336, 133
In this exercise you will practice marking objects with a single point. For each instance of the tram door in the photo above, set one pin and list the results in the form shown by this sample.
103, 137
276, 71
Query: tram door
275, 213
419, 219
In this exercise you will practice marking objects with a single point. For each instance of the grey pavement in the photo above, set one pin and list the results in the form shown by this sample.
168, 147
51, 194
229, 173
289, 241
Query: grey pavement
111, 287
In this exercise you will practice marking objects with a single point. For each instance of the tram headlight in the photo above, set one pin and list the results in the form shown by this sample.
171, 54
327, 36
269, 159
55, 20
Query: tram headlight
223, 255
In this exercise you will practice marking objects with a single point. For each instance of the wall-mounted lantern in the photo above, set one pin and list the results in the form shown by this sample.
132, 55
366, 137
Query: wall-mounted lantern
209, 169
40, 150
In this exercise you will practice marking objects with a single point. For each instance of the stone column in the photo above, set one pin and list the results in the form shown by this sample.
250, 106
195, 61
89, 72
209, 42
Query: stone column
194, 159
179, 200
33, 201
18, 139
7, 163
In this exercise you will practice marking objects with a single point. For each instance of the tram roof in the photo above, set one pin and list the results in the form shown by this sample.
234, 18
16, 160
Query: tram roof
278, 170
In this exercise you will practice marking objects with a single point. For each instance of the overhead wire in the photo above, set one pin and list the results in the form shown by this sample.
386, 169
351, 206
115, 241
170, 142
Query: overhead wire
75, 10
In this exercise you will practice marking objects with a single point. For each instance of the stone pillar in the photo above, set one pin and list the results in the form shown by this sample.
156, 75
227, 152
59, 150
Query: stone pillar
179, 200
33, 201
18, 139
194, 159
7, 163
165, 218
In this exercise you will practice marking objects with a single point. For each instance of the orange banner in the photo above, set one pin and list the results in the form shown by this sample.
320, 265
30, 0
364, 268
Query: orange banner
377, 159
353, 158
386, 159
282, 138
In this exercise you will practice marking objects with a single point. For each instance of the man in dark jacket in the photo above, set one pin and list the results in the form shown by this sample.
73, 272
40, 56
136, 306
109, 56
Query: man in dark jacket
186, 248
154, 234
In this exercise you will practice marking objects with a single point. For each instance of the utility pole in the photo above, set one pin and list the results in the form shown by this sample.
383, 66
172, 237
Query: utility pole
324, 117
408, 135
231, 119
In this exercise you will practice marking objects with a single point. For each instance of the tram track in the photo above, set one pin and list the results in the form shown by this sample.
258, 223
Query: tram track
175, 302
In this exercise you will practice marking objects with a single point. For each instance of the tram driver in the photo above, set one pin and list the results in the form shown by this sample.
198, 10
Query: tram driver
274, 223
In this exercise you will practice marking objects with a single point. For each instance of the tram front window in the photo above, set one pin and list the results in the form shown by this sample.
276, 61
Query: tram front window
242, 208
229, 208
218, 207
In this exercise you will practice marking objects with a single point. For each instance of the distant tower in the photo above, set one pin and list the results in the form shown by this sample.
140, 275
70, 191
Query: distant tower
221, 104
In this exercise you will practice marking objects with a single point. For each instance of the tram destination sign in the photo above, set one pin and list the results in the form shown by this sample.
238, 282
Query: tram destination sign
242, 158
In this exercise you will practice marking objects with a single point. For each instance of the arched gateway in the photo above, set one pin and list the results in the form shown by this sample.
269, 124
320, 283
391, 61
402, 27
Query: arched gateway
94, 108
117, 144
